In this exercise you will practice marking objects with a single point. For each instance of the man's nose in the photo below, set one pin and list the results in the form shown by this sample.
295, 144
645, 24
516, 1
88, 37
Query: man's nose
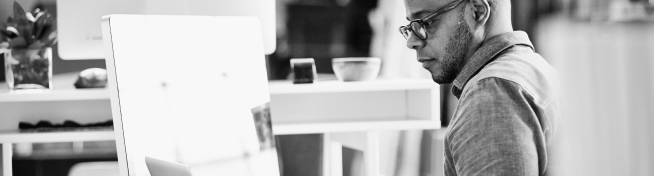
413, 42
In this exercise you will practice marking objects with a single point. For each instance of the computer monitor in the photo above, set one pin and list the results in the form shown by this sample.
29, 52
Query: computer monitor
80, 35
198, 99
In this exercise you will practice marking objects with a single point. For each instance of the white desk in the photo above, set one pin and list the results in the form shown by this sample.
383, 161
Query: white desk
352, 114
338, 110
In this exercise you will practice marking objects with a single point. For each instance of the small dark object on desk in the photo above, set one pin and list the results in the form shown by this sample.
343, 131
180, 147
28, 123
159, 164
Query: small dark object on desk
92, 78
68, 125
303, 73
303, 70
44, 124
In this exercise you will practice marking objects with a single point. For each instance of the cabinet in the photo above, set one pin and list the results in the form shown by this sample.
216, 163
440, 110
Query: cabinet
352, 114
64, 102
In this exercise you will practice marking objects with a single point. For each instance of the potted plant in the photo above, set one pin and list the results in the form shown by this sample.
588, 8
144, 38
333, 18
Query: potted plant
26, 40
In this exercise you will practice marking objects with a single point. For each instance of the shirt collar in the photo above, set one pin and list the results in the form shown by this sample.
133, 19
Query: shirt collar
487, 52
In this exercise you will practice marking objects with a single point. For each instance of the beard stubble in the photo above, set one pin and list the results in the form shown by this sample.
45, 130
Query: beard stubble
456, 49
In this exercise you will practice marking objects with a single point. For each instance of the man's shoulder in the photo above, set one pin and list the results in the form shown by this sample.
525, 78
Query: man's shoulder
520, 67
528, 70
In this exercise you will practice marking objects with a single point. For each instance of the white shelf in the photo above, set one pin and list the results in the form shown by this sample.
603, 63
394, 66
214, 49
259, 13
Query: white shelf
7, 138
276, 87
334, 106
55, 95
63, 90
334, 86
334, 127
43, 137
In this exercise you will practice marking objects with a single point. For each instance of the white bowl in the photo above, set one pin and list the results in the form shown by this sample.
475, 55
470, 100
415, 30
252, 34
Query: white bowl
356, 68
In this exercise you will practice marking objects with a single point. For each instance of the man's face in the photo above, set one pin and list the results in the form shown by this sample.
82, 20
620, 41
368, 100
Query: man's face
448, 39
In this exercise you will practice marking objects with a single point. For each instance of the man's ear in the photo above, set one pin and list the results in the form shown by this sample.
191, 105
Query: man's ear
480, 11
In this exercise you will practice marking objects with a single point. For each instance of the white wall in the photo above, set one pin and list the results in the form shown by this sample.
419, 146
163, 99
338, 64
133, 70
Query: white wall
608, 103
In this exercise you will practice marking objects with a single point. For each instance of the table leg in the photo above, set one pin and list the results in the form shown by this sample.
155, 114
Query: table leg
326, 154
336, 158
367, 142
7, 154
371, 154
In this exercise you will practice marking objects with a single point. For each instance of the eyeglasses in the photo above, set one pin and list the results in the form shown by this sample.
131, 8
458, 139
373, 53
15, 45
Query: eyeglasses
417, 27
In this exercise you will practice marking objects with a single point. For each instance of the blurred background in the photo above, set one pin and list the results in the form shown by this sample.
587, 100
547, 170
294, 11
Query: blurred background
603, 50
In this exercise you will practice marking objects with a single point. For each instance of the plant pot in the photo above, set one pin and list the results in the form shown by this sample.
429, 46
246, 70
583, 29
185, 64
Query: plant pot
29, 68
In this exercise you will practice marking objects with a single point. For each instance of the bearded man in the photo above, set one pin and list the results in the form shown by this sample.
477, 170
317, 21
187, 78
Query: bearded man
505, 121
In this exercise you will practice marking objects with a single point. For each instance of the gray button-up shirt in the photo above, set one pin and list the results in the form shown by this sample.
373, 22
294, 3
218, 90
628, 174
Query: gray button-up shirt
505, 121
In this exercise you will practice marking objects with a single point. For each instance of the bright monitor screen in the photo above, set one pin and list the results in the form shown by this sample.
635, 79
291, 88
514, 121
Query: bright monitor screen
80, 36
199, 99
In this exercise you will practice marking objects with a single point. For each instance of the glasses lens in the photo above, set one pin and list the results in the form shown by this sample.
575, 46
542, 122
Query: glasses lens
419, 30
405, 32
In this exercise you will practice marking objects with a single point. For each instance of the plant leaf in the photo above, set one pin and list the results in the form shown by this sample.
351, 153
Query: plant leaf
36, 45
19, 12
39, 14
43, 25
42, 31
25, 30
51, 38
30, 17
11, 32
18, 42
22, 24
38, 28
